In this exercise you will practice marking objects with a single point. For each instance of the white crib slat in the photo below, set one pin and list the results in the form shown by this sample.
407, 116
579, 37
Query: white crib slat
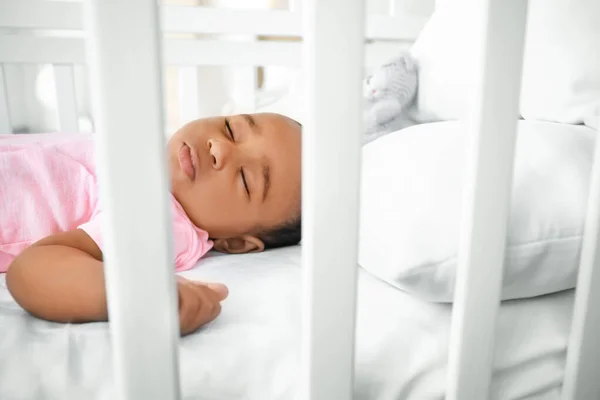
233, 53
65, 98
330, 194
278, 22
203, 91
40, 50
189, 93
37, 14
287, 54
230, 21
295, 6
5, 124
492, 131
583, 354
245, 87
126, 73
395, 7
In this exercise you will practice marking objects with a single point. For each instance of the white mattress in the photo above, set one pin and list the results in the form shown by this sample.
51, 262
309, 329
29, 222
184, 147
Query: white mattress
252, 350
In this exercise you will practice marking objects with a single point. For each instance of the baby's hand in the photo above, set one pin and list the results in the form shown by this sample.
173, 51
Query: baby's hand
199, 303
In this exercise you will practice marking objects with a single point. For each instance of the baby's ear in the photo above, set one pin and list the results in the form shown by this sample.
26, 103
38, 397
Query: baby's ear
239, 245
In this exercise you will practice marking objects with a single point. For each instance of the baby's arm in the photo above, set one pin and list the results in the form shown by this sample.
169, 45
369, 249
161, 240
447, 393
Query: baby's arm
61, 278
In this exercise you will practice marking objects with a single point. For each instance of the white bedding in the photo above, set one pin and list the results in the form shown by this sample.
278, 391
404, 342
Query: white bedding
251, 351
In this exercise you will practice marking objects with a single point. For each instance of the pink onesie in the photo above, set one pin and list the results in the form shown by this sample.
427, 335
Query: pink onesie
48, 185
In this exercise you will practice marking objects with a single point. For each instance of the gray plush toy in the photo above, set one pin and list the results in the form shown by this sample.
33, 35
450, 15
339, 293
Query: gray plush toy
388, 93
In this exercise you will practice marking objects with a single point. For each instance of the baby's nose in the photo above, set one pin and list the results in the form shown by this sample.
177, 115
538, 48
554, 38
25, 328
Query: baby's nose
218, 153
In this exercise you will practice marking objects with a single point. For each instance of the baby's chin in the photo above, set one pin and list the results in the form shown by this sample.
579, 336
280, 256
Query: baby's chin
178, 183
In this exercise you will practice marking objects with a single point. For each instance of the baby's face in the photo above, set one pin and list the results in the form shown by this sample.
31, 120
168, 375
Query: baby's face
237, 175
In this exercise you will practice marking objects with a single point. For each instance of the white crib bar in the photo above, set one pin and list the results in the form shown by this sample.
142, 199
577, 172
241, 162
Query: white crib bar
195, 83
5, 124
491, 128
295, 6
395, 7
583, 354
41, 50
65, 98
333, 61
66, 15
36, 14
125, 61
189, 94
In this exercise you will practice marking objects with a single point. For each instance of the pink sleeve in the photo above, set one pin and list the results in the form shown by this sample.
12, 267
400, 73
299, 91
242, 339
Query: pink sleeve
190, 242
5, 260
94, 229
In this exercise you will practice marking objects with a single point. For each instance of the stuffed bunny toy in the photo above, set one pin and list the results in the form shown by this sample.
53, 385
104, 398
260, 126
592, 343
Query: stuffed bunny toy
388, 93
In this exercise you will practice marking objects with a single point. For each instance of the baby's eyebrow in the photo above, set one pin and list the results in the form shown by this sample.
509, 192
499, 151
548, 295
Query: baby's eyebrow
266, 180
266, 170
251, 123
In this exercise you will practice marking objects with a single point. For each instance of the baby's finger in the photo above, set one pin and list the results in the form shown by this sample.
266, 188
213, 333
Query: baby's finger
213, 301
220, 289
208, 309
188, 306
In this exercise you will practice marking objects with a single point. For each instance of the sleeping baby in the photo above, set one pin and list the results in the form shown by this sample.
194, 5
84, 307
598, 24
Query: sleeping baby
235, 187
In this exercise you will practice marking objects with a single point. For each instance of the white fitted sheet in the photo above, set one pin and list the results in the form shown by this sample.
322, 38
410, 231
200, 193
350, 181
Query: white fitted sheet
252, 350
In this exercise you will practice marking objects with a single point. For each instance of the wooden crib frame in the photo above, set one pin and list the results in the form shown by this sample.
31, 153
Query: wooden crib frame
126, 69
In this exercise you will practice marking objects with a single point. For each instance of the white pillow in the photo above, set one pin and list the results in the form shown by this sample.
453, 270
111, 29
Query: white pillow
446, 54
561, 72
412, 183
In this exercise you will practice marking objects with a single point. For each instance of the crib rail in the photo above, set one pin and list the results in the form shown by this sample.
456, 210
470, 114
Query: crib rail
5, 124
330, 174
234, 41
491, 128
66, 99
38, 50
126, 69
52, 50
37, 14
136, 245
583, 352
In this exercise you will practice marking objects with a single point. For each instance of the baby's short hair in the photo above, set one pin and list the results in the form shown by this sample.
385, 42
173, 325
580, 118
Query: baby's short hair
287, 234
